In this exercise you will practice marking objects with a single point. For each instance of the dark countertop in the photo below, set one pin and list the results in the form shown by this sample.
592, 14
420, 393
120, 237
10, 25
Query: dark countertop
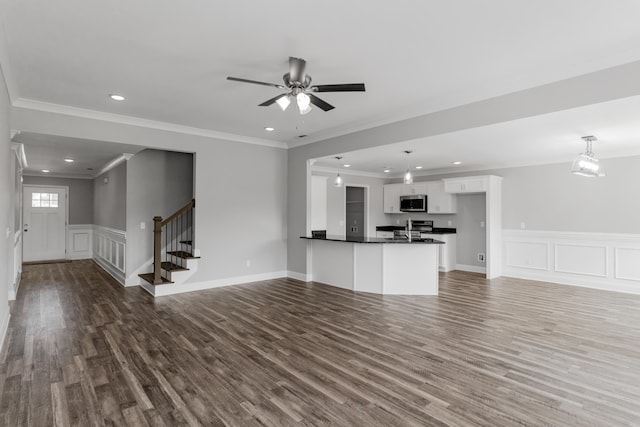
374, 240
436, 230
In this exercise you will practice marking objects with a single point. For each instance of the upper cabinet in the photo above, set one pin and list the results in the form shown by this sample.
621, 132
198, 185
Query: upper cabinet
438, 201
415, 188
391, 197
468, 184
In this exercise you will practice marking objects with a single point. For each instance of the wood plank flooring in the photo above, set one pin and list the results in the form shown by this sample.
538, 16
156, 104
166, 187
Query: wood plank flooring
83, 351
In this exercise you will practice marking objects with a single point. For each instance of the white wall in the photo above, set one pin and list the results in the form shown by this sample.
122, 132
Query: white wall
336, 201
7, 202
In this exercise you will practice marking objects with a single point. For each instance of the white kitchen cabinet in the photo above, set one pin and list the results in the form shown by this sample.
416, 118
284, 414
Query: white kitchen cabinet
469, 184
438, 201
447, 252
391, 198
415, 188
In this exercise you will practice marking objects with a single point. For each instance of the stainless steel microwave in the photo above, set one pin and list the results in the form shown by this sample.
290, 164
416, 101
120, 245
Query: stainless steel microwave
413, 203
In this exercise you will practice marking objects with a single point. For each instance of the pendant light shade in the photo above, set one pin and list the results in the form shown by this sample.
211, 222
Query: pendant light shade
586, 164
408, 177
338, 181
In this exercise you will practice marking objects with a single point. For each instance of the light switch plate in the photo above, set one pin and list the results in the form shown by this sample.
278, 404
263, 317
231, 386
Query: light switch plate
143, 225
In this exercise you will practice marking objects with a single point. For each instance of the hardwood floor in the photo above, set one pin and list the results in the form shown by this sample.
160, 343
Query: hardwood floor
81, 350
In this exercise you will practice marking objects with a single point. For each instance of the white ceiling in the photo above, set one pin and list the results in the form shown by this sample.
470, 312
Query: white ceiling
171, 59
549, 138
48, 152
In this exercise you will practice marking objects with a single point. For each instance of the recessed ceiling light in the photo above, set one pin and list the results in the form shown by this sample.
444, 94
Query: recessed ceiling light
387, 170
418, 167
347, 166
456, 163
46, 170
116, 97
69, 160
269, 129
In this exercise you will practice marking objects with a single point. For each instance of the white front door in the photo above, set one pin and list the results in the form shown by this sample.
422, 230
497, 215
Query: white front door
44, 223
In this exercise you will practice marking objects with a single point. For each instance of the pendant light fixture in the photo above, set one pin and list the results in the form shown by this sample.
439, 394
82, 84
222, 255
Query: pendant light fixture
338, 180
408, 178
586, 164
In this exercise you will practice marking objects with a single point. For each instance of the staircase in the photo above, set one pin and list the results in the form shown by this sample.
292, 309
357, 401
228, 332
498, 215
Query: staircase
173, 248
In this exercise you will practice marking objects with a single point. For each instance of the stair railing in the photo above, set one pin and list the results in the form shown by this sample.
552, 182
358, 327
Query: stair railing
172, 234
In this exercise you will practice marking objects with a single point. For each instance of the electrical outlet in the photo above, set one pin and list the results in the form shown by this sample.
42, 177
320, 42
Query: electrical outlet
450, 223
397, 222
481, 224
523, 225
142, 225
480, 257
341, 223
248, 263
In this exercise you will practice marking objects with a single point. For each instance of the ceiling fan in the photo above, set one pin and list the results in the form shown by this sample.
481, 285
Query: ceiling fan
299, 85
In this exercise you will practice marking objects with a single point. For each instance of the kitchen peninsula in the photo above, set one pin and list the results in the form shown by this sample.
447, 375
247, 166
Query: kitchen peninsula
376, 265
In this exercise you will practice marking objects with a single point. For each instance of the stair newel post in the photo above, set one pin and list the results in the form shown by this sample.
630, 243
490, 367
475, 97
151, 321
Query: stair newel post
157, 249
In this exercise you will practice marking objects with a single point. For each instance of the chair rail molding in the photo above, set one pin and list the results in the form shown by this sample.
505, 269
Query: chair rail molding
609, 261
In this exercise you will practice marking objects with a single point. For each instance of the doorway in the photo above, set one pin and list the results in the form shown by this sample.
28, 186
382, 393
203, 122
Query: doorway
44, 220
355, 212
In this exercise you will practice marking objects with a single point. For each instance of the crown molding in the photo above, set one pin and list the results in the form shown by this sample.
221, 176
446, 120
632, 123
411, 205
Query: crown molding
354, 172
22, 156
135, 121
113, 163
56, 175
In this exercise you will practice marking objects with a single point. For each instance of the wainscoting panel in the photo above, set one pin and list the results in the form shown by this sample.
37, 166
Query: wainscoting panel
109, 250
597, 260
627, 264
80, 238
17, 265
578, 259
531, 255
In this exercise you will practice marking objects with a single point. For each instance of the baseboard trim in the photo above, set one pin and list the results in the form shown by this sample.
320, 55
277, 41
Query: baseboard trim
471, 268
109, 269
299, 276
603, 284
172, 289
4, 327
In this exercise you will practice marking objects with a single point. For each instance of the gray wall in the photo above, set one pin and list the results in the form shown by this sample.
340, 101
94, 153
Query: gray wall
240, 190
158, 184
80, 196
6, 206
110, 198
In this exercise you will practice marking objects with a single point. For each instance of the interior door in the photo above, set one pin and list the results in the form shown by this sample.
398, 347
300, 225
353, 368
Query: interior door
44, 223
355, 207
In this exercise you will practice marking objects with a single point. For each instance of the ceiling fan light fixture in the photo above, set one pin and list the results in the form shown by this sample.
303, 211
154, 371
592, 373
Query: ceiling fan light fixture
304, 102
283, 102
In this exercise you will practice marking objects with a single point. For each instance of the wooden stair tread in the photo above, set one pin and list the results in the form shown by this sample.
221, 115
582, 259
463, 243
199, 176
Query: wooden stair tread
169, 266
183, 254
186, 242
149, 278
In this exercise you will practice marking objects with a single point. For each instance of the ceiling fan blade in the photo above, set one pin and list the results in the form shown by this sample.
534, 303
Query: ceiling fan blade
272, 100
255, 82
324, 106
296, 69
347, 87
